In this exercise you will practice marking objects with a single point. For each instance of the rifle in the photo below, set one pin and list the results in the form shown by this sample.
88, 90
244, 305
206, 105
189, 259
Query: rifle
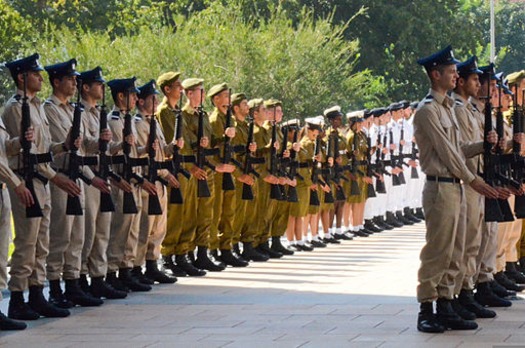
203, 190
275, 190
354, 186
314, 197
371, 192
292, 174
283, 162
154, 166
247, 191
129, 205
338, 170
104, 168
29, 160
413, 156
400, 162
395, 178
518, 161
73, 206
176, 160
379, 165
227, 179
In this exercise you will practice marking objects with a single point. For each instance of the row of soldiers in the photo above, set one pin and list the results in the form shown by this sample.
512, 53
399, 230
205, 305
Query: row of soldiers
473, 195
97, 195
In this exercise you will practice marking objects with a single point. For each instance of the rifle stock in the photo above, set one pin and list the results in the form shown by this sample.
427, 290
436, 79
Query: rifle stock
104, 169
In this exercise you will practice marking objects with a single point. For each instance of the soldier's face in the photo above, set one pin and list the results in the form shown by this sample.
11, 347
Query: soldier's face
66, 85
34, 81
337, 121
221, 100
94, 90
150, 104
279, 114
174, 90
244, 109
471, 85
195, 95
313, 133
505, 102
132, 100
447, 77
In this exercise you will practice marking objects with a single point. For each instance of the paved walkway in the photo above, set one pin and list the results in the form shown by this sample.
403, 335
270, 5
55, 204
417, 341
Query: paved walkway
358, 294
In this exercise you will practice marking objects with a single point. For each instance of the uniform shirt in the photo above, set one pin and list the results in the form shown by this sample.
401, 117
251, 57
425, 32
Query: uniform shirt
8, 147
166, 117
437, 134
306, 155
262, 135
60, 116
242, 128
42, 143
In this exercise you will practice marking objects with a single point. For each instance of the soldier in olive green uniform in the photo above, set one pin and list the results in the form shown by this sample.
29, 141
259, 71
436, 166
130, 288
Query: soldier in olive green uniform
229, 254
152, 227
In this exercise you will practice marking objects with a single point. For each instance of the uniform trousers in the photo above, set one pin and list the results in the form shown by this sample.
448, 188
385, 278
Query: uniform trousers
223, 215
175, 216
5, 235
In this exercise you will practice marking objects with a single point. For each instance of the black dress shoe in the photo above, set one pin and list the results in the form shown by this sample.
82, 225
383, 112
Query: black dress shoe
305, 247
450, 319
318, 244
168, 265
380, 221
279, 247
294, 247
392, 220
361, 233
342, 236
331, 240
369, 225
427, 321
420, 214
7, 324
184, 262
403, 219
466, 298
229, 259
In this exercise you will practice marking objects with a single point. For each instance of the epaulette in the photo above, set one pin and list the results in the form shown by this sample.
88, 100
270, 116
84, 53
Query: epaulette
17, 97
137, 118
475, 107
115, 115
48, 102
428, 99
459, 102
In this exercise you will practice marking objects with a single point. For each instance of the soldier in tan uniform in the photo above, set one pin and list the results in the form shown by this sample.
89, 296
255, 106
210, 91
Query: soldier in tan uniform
232, 205
471, 133
9, 147
444, 202
97, 222
66, 233
31, 247
152, 227
125, 226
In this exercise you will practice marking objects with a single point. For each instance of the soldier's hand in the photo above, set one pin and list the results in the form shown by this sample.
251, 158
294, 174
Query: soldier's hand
252, 147
204, 142
69, 186
292, 182
402, 142
368, 180
172, 181
30, 134
106, 135
230, 132
276, 145
392, 146
282, 180
384, 150
100, 185
519, 138
286, 153
225, 168
331, 161
149, 187
179, 143
271, 179
503, 192
483, 188
319, 158
296, 146
246, 179
156, 145
130, 139
502, 143
25, 196
313, 187
122, 185
326, 188
412, 163
492, 137
198, 173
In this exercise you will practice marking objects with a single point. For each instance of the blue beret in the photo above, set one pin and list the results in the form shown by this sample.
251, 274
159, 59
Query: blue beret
63, 69
94, 75
488, 70
24, 64
148, 89
470, 66
123, 85
443, 57
395, 107
378, 111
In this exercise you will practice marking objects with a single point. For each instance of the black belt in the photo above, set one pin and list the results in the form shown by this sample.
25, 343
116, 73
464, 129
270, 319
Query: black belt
443, 179
303, 165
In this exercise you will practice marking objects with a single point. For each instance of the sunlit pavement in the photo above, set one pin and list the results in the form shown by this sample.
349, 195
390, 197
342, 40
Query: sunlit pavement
357, 294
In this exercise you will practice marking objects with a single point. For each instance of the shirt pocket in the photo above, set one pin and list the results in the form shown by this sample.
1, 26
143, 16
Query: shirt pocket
446, 122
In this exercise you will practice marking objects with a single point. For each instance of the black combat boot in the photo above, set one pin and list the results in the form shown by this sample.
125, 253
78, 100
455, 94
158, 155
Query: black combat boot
512, 272
426, 320
153, 273
168, 265
466, 298
75, 294
521, 267
251, 254
450, 319
383, 224
486, 297
115, 283
229, 259
370, 226
183, 261
391, 220
264, 248
18, 309
509, 284
136, 272
100, 288
125, 276
279, 247
462, 311
403, 219
206, 261
83, 282
39, 304
7, 324
500, 290
56, 296
407, 213
420, 214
